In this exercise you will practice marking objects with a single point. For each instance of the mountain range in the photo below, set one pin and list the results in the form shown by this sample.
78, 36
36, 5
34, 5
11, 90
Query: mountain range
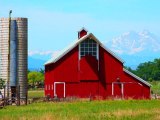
133, 47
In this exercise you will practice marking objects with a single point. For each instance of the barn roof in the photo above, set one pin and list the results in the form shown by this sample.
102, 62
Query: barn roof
138, 78
74, 44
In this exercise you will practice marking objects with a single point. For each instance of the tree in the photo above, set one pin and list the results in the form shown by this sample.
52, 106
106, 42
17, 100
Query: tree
2, 83
35, 79
41, 71
149, 70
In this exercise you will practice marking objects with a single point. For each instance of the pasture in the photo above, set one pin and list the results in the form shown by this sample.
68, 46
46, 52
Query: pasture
85, 110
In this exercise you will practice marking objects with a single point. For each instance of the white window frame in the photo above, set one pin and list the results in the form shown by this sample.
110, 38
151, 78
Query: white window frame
64, 95
97, 51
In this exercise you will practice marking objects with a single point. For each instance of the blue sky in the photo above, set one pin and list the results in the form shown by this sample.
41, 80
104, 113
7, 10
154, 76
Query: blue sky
53, 24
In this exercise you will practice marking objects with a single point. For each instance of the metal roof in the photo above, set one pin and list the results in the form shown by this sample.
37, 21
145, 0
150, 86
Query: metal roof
138, 78
75, 43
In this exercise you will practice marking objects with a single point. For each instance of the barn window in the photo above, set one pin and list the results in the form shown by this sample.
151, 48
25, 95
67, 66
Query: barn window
88, 47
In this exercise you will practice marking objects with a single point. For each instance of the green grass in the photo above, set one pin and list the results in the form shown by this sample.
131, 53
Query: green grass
35, 93
156, 87
83, 110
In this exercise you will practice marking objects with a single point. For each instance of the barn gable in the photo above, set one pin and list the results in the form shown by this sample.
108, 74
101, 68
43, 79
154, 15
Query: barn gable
75, 43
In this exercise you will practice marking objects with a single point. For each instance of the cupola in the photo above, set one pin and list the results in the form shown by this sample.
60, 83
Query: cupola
82, 32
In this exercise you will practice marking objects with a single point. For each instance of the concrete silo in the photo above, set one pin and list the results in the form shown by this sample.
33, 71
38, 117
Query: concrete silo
17, 76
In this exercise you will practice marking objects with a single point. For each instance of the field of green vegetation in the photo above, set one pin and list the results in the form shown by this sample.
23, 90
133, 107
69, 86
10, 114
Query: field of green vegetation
85, 110
35, 93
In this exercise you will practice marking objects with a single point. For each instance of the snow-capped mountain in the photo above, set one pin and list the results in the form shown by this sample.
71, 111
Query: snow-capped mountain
135, 42
136, 47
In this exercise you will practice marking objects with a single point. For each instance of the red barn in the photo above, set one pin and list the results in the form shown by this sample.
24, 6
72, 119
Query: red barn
88, 69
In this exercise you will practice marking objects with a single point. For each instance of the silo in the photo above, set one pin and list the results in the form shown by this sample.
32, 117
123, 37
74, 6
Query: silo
18, 50
22, 25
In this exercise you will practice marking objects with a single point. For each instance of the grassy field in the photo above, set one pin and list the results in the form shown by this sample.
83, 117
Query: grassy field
35, 93
85, 110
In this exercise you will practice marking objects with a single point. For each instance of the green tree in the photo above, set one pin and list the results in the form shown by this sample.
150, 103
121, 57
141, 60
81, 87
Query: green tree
41, 71
35, 79
149, 70
2, 83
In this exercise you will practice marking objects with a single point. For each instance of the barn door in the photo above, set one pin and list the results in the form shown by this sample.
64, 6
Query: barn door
59, 89
117, 90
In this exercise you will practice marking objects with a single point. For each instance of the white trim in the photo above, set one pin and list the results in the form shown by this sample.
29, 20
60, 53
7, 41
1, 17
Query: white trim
75, 43
138, 78
64, 95
112, 88
122, 88
97, 51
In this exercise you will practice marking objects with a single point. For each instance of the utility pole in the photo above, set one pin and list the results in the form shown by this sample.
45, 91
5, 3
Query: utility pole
9, 52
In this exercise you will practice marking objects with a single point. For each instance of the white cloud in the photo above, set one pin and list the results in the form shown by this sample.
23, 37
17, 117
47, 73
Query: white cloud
118, 51
48, 53
31, 53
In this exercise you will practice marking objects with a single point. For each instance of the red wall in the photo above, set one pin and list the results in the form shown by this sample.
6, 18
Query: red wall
110, 70
136, 89
83, 78
88, 68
